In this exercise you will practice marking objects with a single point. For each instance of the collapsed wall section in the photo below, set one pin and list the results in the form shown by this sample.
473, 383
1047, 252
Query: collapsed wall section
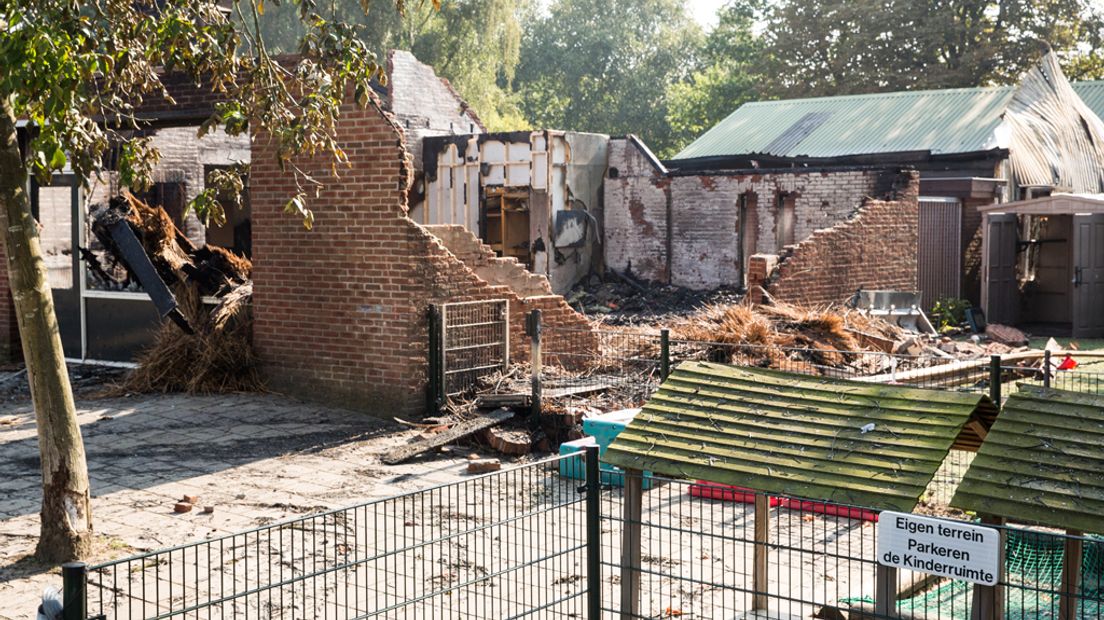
875, 250
699, 230
341, 310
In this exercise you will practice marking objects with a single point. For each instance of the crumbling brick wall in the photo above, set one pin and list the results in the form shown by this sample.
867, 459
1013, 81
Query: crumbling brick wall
425, 104
340, 312
635, 213
875, 249
701, 216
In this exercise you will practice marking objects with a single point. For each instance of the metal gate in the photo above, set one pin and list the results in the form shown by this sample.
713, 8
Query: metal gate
468, 340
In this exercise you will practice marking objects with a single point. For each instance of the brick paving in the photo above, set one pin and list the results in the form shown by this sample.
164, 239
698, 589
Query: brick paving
255, 458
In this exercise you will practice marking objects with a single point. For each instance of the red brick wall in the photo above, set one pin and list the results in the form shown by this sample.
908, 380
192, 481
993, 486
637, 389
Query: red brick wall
10, 350
341, 311
876, 249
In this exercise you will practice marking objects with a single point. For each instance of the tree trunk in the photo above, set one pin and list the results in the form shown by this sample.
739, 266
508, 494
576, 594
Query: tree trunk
66, 516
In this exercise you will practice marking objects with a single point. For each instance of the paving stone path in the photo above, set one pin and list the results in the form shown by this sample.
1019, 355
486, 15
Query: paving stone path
254, 458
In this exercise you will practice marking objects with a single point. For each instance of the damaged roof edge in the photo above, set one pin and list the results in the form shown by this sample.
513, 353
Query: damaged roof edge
729, 172
743, 162
648, 154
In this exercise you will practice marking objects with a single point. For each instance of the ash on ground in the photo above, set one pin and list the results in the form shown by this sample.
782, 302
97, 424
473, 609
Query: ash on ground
88, 381
622, 300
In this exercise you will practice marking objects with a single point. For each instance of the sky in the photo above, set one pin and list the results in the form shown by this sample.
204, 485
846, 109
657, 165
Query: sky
705, 11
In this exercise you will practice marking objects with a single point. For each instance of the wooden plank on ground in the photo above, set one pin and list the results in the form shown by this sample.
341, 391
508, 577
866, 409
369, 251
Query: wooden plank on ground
457, 431
577, 390
494, 401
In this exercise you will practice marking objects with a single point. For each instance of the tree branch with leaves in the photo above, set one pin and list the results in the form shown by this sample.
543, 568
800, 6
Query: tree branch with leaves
77, 76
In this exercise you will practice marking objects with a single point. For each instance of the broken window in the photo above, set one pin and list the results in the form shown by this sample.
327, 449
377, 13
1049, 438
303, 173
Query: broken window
784, 230
104, 271
55, 215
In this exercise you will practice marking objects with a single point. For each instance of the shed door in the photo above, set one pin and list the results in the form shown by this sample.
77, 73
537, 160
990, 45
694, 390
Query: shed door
1088, 276
1002, 303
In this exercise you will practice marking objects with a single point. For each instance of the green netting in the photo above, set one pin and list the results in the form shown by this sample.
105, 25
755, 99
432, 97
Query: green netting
1033, 564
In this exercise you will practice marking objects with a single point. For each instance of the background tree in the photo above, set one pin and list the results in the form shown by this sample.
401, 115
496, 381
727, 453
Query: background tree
77, 73
728, 74
834, 47
590, 65
472, 43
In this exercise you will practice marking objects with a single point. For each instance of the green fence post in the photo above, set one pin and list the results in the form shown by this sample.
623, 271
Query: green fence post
74, 591
594, 534
664, 354
1046, 368
995, 379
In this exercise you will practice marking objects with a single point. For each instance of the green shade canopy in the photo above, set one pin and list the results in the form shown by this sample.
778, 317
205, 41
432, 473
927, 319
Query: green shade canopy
955, 120
1042, 462
800, 435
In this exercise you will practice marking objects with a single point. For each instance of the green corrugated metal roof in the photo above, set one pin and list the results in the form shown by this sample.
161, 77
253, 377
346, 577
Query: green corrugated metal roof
797, 435
1092, 93
1042, 462
957, 120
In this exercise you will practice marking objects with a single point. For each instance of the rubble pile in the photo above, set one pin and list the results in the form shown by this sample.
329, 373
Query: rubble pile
622, 300
203, 349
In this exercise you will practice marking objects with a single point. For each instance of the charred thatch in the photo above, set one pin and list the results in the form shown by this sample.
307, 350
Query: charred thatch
208, 349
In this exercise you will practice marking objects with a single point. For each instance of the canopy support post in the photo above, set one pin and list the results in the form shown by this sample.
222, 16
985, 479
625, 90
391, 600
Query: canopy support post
987, 602
760, 585
1071, 576
630, 543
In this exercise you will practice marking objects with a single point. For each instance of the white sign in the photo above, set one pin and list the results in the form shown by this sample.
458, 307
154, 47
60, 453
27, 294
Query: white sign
940, 547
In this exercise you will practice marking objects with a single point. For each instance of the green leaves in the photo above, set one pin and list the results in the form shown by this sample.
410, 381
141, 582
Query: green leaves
80, 72
298, 206
591, 65
57, 160
835, 47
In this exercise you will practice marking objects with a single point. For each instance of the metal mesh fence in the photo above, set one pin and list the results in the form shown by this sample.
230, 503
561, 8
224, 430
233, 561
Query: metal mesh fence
530, 543
634, 363
698, 548
506, 545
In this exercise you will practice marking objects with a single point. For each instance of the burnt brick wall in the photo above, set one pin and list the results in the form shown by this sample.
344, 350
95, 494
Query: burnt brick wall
341, 311
876, 249
704, 215
635, 213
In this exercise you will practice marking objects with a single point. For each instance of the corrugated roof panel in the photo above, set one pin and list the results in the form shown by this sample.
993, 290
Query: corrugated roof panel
1092, 93
1042, 462
797, 434
941, 121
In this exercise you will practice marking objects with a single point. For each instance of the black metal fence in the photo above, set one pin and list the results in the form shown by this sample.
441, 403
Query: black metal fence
636, 362
505, 545
693, 552
562, 538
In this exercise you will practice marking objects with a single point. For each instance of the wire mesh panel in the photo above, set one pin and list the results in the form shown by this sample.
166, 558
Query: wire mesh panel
505, 545
698, 548
475, 342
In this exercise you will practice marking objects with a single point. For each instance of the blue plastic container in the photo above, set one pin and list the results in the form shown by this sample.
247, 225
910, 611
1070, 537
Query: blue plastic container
575, 467
605, 428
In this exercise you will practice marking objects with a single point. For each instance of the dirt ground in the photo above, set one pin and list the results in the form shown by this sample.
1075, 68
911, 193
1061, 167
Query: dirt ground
254, 459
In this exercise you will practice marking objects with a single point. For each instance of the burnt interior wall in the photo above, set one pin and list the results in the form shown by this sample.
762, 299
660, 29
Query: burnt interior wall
684, 229
874, 249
